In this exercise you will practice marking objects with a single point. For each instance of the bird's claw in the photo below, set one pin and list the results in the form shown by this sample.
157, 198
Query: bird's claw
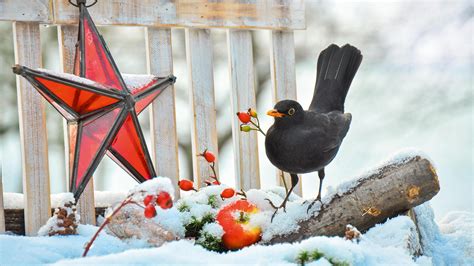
271, 204
312, 203
283, 205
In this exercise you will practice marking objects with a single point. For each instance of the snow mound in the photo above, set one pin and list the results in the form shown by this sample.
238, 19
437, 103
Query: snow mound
394, 241
375, 248
459, 226
455, 247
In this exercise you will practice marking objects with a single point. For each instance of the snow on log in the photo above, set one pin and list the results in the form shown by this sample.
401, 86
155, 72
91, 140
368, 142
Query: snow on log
390, 190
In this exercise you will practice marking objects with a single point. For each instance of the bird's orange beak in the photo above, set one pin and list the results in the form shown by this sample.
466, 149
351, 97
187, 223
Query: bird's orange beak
275, 113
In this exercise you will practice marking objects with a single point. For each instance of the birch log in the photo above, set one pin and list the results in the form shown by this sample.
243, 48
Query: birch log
389, 191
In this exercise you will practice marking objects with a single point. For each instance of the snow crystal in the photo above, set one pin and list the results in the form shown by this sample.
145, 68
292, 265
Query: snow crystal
134, 81
213, 229
152, 187
50, 226
258, 197
170, 219
406, 154
72, 77
399, 232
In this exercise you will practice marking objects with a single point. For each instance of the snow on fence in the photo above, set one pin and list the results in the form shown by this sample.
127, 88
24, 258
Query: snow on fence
281, 17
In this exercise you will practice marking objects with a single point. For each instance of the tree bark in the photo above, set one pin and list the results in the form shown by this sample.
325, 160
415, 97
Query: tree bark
387, 192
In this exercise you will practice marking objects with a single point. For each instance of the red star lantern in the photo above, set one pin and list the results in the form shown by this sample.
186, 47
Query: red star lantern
101, 107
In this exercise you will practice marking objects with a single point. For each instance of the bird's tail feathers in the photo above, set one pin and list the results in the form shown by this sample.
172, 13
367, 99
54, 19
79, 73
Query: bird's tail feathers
335, 71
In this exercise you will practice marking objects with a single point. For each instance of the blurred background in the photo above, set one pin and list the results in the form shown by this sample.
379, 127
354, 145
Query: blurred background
413, 89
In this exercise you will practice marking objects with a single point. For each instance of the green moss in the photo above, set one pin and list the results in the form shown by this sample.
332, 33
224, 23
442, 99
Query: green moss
212, 201
194, 227
305, 257
211, 242
302, 258
183, 207
337, 262
316, 255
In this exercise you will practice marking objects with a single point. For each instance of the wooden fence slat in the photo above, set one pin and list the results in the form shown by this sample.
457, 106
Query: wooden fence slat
31, 10
2, 210
268, 14
164, 137
282, 57
67, 39
32, 130
239, 43
252, 14
201, 79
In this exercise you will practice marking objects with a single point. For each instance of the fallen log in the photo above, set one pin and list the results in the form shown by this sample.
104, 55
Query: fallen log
387, 192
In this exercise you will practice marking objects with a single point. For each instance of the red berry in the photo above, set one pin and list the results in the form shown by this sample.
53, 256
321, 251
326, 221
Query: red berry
150, 211
244, 117
209, 156
164, 200
186, 185
227, 193
147, 199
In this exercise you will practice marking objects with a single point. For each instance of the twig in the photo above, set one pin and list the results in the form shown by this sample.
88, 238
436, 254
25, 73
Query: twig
214, 172
258, 127
107, 221
242, 193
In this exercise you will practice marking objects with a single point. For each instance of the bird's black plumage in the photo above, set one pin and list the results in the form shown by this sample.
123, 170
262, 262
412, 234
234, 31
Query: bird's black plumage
302, 141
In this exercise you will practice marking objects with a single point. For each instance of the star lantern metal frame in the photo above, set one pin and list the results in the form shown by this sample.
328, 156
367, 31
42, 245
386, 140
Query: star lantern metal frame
101, 107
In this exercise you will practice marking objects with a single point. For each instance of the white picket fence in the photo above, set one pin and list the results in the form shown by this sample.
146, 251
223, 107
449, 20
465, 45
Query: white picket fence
197, 17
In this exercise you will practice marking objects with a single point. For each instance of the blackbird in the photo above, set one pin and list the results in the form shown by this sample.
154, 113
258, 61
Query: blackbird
302, 141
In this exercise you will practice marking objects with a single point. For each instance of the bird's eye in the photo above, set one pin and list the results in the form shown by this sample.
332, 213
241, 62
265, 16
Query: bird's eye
291, 111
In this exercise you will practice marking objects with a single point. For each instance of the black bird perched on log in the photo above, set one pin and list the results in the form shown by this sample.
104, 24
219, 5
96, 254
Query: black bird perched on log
302, 141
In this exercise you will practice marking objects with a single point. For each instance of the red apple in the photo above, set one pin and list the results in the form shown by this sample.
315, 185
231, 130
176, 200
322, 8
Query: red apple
234, 219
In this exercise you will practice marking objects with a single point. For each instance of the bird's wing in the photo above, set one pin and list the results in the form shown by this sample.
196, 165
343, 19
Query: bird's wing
335, 70
328, 129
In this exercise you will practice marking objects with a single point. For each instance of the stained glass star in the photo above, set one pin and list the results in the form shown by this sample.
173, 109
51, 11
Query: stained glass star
101, 107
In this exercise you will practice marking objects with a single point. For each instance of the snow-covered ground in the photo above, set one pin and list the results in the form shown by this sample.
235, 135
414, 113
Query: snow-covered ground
398, 241
448, 243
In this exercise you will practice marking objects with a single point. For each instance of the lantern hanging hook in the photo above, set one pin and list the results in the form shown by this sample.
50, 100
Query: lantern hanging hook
82, 2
